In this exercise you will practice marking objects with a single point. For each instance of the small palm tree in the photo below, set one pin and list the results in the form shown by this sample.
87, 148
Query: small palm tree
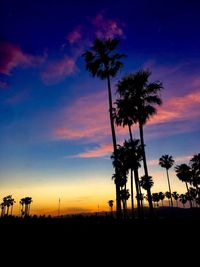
168, 196
124, 193
102, 61
167, 162
183, 172
183, 199
110, 203
175, 195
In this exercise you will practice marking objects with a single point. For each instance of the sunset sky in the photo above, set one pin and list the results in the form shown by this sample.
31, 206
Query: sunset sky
55, 138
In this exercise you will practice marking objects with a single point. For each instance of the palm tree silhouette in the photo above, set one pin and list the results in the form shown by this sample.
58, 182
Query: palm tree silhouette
146, 184
183, 172
168, 196
175, 195
124, 193
25, 202
8, 202
143, 97
161, 197
167, 162
123, 117
183, 199
110, 203
195, 168
102, 61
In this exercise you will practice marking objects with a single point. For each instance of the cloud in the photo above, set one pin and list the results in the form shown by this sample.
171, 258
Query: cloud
178, 108
75, 35
107, 28
98, 27
99, 151
86, 118
57, 71
12, 56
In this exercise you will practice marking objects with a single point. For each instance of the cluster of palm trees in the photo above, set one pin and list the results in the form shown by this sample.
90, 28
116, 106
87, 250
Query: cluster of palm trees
190, 174
8, 202
136, 102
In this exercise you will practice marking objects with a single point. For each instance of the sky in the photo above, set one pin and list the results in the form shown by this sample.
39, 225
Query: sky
55, 135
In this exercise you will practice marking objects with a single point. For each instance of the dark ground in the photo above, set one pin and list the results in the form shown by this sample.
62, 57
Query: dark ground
173, 234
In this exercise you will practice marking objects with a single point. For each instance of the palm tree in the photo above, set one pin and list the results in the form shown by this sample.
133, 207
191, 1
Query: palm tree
110, 203
143, 97
195, 168
26, 201
124, 193
183, 172
162, 197
102, 61
122, 117
175, 195
183, 199
167, 162
155, 199
168, 196
134, 156
146, 184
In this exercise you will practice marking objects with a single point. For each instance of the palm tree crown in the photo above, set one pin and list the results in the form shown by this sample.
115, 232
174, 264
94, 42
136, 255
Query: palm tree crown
101, 60
166, 161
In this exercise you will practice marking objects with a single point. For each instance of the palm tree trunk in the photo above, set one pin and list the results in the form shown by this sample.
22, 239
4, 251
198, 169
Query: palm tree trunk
118, 202
145, 168
169, 187
188, 194
132, 197
136, 182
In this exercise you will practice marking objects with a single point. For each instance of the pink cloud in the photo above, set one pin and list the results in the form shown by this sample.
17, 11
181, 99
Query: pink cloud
57, 71
178, 108
87, 117
107, 28
100, 151
75, 35
12, 56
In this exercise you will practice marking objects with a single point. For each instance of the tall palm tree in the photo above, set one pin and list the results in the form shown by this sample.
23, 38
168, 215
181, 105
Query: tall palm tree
124, 193
143, 96
110, 204
183, 172
167, 162
102, 61
122, 117
134, 156
195, 168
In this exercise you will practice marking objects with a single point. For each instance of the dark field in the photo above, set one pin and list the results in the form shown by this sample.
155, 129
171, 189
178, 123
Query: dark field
170, 233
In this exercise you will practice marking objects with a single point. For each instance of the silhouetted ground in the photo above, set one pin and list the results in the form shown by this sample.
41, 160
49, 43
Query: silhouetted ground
77, 238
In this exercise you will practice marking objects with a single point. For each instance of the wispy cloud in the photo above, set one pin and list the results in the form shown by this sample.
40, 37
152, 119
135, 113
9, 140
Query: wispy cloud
58, 70
86, 118
178, 108
12, 56
75, 35
99, 151
107, 28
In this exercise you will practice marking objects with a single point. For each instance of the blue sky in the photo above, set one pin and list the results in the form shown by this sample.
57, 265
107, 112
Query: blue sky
54, 126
